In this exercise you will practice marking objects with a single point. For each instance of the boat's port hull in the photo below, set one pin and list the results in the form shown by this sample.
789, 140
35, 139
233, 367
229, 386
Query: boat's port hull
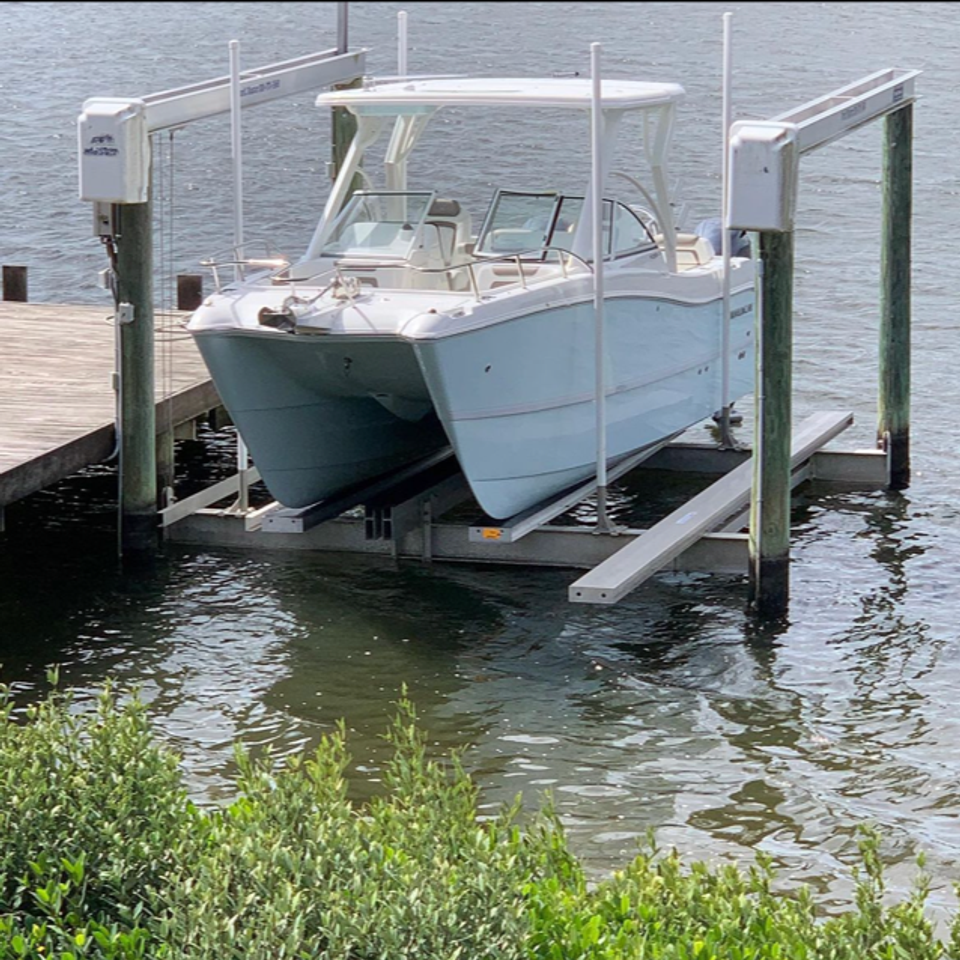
318, 415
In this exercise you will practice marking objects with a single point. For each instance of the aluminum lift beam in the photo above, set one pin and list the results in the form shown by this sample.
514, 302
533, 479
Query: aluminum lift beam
510, 531
637, 561
114, 132
298, 520
560, 547
830, 117
174, 108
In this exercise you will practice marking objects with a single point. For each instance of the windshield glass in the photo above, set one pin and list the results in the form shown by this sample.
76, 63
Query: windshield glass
378, 225
518, 223
525, 223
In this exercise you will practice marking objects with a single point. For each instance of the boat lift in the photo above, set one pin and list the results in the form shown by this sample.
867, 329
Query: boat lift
404, 517
401, 513
114, 152
424, 515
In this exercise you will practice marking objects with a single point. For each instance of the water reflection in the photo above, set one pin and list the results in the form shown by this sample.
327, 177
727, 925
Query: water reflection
670, 711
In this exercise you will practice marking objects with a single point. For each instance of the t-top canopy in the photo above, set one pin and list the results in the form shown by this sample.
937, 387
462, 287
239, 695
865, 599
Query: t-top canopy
434, 92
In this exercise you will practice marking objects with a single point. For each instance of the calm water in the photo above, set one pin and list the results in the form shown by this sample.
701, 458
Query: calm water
669, 711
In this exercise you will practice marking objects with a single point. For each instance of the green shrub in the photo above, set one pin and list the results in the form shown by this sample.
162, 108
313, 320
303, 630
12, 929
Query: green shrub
293, 869
657, 909
102, 856
91, 808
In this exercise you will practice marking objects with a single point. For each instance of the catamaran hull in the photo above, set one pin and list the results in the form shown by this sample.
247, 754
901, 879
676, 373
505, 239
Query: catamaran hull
319, 417
517, 398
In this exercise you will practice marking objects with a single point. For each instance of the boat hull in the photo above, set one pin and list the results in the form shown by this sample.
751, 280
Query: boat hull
517, 398
318, 415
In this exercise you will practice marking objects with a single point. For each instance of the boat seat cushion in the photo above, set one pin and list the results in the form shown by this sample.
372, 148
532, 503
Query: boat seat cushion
444, 210
692, 250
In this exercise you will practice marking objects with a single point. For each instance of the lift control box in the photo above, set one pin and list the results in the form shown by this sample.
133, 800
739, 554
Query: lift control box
114, 150
764, 163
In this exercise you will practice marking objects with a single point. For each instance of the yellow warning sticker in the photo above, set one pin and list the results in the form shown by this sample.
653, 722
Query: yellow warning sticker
492, 533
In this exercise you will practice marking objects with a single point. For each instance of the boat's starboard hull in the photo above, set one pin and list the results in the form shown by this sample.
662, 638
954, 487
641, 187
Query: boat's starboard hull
517, 399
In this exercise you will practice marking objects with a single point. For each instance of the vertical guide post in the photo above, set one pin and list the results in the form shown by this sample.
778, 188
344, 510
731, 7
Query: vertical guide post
236, 153
343, 22
236, 144
138, 421
726, 435
596, 183
893, 427
769, 590
402, 43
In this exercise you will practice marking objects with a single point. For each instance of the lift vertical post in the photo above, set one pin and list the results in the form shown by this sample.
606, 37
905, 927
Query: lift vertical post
138, 429
763, 196
769, 543
893, 428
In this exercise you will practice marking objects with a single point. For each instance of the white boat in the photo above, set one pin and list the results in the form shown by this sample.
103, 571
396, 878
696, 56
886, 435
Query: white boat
403, 329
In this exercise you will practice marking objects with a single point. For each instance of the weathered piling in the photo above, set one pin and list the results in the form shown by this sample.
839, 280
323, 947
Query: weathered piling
344, 127
343, 122
138, 531
769, 589
15, 283
893, 427
189, 291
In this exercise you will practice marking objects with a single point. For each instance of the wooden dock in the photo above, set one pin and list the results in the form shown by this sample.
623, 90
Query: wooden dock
57, 399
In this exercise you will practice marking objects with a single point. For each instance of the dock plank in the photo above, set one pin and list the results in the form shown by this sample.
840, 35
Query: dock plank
57, 402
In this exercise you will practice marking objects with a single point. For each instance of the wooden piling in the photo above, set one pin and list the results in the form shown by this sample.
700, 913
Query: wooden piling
166, 466
15, 284
189, 291
893, 426
769, 543
344, 128
138, 532
343, 122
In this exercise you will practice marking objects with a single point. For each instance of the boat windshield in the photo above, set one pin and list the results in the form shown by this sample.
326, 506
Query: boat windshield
518, 223
525, 223
379, 225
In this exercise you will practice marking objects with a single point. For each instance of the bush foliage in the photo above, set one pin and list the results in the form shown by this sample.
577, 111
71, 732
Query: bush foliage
102, 855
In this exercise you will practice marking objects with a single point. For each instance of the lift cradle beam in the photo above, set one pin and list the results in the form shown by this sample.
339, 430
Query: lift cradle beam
833, 116
637, 561
114, 132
